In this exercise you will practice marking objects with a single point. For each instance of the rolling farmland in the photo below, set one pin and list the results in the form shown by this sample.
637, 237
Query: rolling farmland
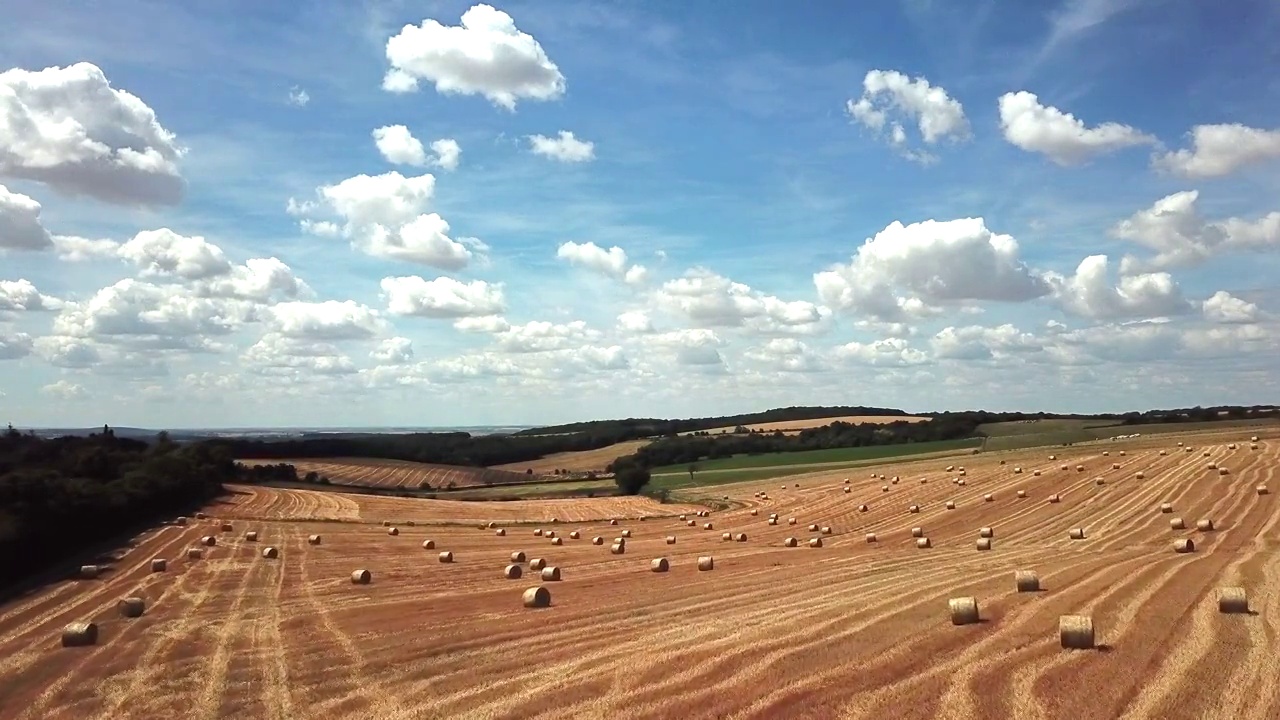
849, 629
792, 427
380, 473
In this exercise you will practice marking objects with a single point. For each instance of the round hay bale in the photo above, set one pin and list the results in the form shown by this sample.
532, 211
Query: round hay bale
209, 540
1121, 453
1105, 453
791, 542
924, 481
251, 536
791, 521
613, 521
964, 610
1053, 457
1231, 446
270, 553
131, 607
537, 533
1075, 632
500, 532
815, 542
557, 541
826, 530
1254, 446
913, 509
80, 634
884, 488
1099, 481
554, 521
1184, 545
1166, 507
313, 539
917, 532
1253, 439
409, 523
813, 527
617, 549
846, 481
1076, 534
201, 516
1204, 454
951, 505
159, 564
1233, 600
226, 527
1164, 452
1036, 473
518, 556
537, 597
797, 484
989, 497
626, 533
960, 483
708, 526
984, 543
773, 521
986, 532
1115, 466
180, 520
537, 564
923, 543
863, 508
491, 525
684, 518
386, 523
428, 544
1026, 581
1079, 468
740, 537
961, 472
692, 523
445, 557
671, 539
551, 573
597, 540
1066, 467
194, 553
950, 468
1261, 489
89, 572
847, 491
1177, 524
549, 534
1017, 471
1055, 498
754, 512
1022, 494
726, 537
706, 562
1223, 471
871, 537
512, 572
1204, 525
361, 577
393, 531
659, 565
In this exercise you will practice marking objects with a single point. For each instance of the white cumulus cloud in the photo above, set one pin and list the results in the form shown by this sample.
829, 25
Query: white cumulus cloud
1061, 136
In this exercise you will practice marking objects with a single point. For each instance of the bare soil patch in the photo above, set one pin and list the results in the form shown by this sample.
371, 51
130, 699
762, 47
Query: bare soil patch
792, 427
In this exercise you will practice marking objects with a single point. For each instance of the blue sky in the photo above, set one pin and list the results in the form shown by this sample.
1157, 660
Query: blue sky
811, 205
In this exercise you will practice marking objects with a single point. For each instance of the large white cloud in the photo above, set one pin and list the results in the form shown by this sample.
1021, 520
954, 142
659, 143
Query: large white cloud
68, 128
1181, 237
890, 98
933, 262
975, 342
710, 300
612, 262
14, 345
1219, 150
442, 297
564, 147
540, 336
1060, 136
1090, 293
485, 55
398, 145
20, 226
21, 295
1223, 307
385, 216
888, 352
328, 320
154, 316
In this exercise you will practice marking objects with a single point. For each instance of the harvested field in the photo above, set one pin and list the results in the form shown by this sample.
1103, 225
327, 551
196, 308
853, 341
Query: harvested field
849, 629
793, 427
381, 473
584, 461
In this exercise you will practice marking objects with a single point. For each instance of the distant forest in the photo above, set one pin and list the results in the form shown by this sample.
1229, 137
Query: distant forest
486, 450
59, 495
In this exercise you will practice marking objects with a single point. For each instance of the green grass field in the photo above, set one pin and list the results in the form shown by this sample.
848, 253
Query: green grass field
1048, 433
818, 457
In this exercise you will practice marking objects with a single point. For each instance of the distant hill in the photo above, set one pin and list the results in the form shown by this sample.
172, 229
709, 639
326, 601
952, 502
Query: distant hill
646, 427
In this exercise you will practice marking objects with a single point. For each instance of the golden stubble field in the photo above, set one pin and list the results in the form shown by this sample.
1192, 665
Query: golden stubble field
850, 629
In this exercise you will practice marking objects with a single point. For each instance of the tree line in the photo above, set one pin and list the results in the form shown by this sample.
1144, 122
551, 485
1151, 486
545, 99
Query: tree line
59, 495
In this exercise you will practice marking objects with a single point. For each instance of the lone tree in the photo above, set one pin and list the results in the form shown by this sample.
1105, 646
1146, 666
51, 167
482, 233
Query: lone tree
693, 468
630, 476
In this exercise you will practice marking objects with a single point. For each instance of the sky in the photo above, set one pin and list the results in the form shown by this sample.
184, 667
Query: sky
339, 213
